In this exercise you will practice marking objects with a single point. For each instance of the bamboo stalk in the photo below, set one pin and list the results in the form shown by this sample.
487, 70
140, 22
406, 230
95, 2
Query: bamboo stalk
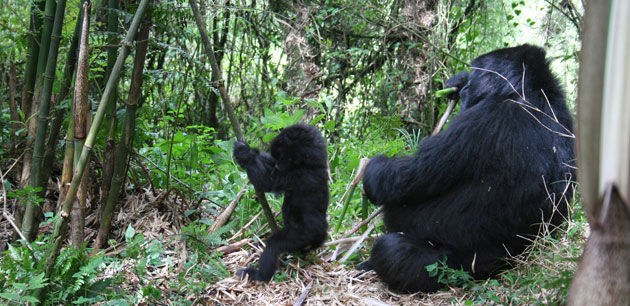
68, 166
123, 149
77, 214
236, 127
61, 225
27, 97
32, 56
51, 144
347, 196
31, 220
109, 155
47, 29
363, 223
15, 117
82, 118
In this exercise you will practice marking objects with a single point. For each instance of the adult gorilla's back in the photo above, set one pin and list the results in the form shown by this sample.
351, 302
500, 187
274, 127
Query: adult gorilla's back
479, 191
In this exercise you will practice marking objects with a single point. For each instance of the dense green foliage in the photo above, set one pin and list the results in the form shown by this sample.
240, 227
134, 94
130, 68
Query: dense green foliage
364, 72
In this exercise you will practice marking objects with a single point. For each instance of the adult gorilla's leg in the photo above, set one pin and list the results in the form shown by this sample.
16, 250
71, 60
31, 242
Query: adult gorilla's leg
400, 262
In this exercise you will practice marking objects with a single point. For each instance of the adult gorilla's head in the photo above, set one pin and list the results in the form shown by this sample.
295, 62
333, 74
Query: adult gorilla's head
519, 73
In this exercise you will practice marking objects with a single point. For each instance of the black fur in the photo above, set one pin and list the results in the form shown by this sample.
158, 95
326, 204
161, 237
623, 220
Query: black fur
297, 167
478, 191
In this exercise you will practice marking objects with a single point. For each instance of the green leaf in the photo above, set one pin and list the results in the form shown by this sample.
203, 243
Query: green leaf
317, 119
39, 281
30, 299
353, 161
297, 117
315, 104
130, 232
194, 155
269, 136
21, 286
10, 296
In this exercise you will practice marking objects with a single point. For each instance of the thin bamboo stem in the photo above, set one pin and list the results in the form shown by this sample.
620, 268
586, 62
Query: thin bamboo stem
31, 221
61, 225
236, 127
123, 149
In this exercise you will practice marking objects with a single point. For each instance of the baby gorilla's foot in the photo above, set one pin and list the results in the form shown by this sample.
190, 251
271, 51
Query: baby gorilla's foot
365, 266
252, 273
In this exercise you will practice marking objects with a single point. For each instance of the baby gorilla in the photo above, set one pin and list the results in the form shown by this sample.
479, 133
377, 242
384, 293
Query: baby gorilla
297, 167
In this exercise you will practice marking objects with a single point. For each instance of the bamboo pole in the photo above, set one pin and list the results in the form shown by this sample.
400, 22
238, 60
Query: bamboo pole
123, 148
236, 127
32, 55
31, 221
347, 196
61, 225
55, 128
109, 155
27, 95
81, 113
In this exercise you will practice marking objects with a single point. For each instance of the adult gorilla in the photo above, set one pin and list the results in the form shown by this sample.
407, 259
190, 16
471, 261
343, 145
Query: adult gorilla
478, 192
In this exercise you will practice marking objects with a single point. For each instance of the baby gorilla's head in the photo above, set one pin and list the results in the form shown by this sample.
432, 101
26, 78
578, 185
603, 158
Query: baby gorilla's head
299, 145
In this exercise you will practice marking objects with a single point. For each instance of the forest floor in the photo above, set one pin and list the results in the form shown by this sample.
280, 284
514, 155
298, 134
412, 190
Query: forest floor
317, 280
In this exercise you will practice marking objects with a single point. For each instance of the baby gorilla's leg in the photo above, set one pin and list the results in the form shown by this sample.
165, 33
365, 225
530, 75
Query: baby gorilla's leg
285, 240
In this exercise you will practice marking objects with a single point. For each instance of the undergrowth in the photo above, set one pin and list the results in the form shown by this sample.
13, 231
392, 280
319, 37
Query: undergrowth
138, 270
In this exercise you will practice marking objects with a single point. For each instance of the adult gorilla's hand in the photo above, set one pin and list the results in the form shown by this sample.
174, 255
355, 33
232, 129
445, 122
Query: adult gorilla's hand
458, 81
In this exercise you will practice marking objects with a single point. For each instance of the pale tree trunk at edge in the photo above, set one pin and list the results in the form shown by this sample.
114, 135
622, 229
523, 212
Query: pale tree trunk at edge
603, 276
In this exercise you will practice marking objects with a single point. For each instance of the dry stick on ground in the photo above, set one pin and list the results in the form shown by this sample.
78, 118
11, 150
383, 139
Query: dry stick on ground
233, 247
341, 241
223, 218
303, 295
358, 243
216, 77
240, 232
362, 223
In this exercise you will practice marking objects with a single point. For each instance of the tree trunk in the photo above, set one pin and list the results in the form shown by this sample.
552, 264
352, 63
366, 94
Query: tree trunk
603, 276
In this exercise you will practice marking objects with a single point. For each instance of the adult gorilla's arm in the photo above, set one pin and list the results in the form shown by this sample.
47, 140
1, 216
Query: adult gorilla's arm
260, 166
441, 162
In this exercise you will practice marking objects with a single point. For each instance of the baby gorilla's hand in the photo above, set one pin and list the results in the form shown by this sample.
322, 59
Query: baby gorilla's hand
243, 153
